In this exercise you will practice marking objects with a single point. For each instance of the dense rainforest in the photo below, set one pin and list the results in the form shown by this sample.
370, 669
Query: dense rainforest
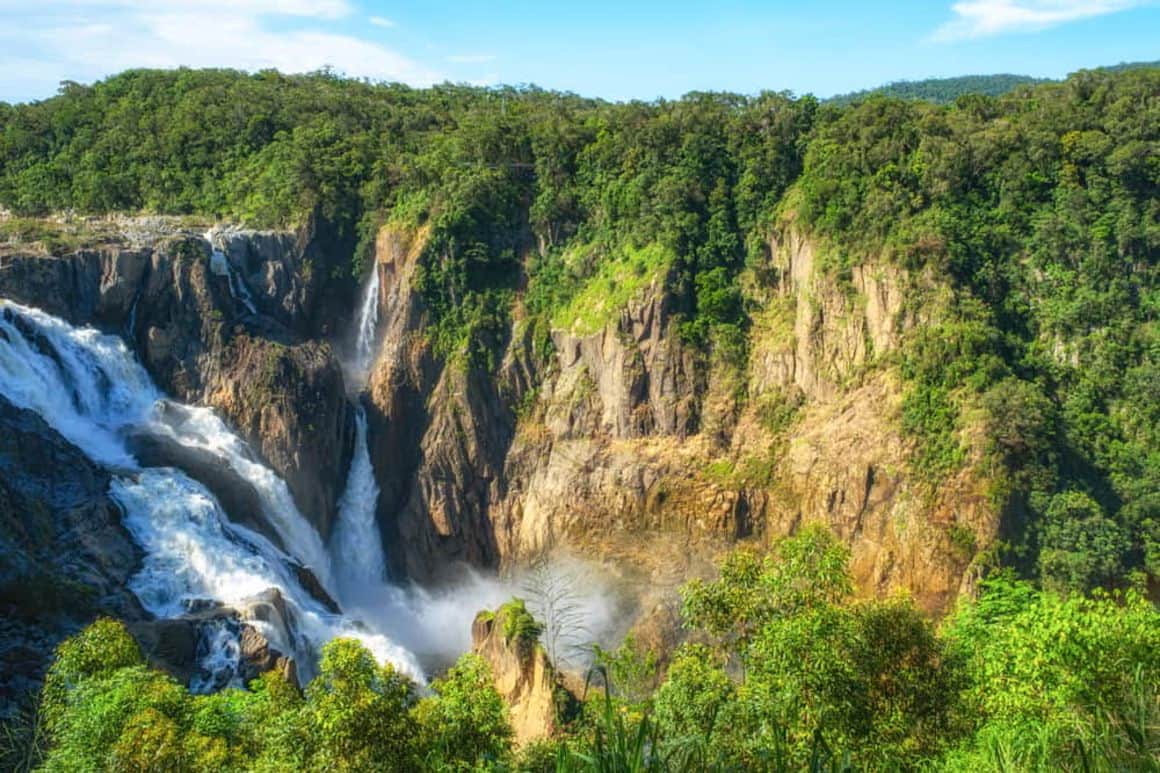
943, 90
1038, 211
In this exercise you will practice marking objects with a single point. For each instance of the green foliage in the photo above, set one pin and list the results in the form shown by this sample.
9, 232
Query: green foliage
1081, 548
819, 670
1059, 682
23, 736
942, 90
807, 677
617, 742
804, 572
109, 712
697, 698
1021, 679
616, 282
357, 712
519, 625
101, 649
631, 667
1041, 209
464, 726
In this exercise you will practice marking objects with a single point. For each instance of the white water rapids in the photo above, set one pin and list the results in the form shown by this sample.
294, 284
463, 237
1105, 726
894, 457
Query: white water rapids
89, 387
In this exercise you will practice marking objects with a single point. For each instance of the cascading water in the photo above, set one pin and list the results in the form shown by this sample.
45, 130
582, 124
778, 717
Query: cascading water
356, 543
220, 265
368, 322
219, 655
356, 546
89, 387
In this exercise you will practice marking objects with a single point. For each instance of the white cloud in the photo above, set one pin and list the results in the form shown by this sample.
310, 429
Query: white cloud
319, 9
471, 58
491, 79
987, 18
382, 21
88, 39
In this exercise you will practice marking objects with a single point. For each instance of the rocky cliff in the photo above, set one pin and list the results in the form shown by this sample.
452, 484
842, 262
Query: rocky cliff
627, 442
64, 556
202, 342
622, 442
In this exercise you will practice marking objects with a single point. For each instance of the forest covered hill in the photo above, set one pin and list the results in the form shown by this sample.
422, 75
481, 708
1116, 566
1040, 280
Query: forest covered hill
944, 90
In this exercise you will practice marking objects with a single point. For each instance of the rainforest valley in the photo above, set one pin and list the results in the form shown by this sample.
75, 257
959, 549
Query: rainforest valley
354, 426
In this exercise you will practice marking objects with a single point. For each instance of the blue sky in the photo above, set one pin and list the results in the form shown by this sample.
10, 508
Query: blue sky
606, 48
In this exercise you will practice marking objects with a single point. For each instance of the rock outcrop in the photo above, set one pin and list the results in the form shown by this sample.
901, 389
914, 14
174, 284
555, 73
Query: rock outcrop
524, 677
65, 559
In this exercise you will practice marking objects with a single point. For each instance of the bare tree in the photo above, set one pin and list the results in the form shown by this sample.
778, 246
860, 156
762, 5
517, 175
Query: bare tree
552, 595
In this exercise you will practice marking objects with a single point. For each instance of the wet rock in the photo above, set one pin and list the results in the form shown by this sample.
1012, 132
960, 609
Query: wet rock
65, 559
309, 582
179, 645
234, 493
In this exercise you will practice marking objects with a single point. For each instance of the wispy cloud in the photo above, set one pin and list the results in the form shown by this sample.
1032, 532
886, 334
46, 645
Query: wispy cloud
471, 58
987, 18
490, 79
87, 39
382, 21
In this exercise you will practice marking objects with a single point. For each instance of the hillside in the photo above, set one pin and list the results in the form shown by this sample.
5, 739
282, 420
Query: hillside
941, 91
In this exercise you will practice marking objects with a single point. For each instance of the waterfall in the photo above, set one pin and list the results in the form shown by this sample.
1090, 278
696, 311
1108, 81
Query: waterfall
368, 321
90, 388
220, 265
356, 544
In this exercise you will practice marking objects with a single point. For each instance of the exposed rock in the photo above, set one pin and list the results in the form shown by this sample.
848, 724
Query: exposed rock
201, 344
846, 467
171, 644
631, 379
90, 286
524, 677
65, 559
625, 436
309, 582
258, 657
284, 396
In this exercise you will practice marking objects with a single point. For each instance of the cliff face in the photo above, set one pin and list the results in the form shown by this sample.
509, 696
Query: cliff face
625, 442
202, 343
622, 442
